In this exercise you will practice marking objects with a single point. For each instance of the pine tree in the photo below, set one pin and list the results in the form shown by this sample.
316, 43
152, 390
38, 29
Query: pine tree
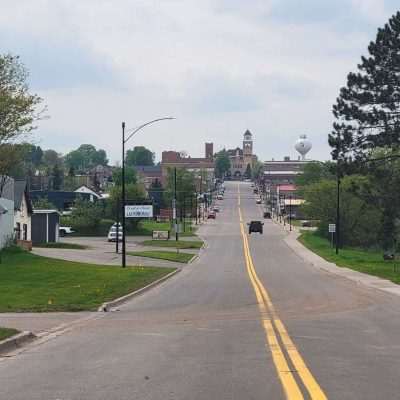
367, 110
367, 114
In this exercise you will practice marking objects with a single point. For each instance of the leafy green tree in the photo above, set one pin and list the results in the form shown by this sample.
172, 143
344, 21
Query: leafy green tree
57, 177
359, 218
18, 108
18, 112
139, 156
185, 186
248, 173
85, 157
51, 158
257, 169
134, 193
313, 172
86, 216
130, 176
222, 163
42, 203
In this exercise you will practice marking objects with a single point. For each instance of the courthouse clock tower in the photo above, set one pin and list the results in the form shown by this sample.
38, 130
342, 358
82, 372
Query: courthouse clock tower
247, 144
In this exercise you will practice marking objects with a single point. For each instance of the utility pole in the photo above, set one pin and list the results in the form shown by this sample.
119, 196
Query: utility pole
118, 227
174, 215
290, 213
197, 208
184, 213
123, 198
337, 207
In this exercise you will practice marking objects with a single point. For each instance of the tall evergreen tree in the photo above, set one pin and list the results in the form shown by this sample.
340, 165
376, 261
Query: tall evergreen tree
367, 110
367, 114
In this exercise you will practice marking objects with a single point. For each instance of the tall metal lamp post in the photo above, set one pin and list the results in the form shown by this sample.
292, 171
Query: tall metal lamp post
124, 141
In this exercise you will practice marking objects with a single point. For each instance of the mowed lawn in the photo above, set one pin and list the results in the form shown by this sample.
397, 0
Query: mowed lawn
164, 255
180, 244
369, 262
33, 283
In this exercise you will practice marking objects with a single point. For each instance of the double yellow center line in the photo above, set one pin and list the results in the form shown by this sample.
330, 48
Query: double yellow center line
278, 339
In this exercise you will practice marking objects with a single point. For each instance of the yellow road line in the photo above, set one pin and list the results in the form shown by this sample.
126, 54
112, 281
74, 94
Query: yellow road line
286, 377
266, 307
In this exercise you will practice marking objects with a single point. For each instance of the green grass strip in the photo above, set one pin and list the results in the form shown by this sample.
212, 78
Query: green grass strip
369, 262
164, 255
180, 244
7, 332
61, 245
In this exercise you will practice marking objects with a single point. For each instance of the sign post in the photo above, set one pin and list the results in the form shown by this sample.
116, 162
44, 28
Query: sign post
332, 231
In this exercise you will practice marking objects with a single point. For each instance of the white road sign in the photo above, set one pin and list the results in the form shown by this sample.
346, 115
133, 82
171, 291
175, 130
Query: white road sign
139, 211
332, 228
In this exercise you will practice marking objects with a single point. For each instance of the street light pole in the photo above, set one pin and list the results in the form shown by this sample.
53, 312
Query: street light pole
175, 216
123, 198
125, 140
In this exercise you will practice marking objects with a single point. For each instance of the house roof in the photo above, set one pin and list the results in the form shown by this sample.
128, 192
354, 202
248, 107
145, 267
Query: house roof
46, 212
20, 190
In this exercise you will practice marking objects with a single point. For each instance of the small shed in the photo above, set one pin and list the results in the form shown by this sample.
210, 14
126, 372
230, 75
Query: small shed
45, 226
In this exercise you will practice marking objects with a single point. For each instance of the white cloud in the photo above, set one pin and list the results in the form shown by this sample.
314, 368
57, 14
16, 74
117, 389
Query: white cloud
219, 66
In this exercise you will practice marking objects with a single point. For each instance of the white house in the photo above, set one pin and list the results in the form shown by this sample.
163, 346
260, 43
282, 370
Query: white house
6, 210
22, 213
93, 194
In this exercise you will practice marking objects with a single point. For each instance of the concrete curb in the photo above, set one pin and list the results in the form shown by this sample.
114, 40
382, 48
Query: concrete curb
115, 303
16, 341
313, 259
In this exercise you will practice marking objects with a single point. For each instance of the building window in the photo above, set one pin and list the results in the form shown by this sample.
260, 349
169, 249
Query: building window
25, 228
18, 231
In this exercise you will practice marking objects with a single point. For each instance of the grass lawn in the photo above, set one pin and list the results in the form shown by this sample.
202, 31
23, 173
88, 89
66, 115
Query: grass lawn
146, 228
164, 255
180, 244
33, 283
369, 262
7, 332
61, 245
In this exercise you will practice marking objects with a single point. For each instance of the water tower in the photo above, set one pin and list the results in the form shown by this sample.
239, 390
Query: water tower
303, 146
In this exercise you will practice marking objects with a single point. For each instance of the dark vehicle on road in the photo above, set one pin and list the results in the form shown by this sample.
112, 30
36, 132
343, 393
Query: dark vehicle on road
255, 226
211, 215
267, 214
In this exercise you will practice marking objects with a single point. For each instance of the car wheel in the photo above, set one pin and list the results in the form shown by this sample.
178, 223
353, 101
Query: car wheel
62, 233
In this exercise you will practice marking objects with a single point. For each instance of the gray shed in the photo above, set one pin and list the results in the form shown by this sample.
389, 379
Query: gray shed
45, 226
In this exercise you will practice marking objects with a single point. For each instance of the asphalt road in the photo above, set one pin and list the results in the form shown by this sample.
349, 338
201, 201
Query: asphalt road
248, 320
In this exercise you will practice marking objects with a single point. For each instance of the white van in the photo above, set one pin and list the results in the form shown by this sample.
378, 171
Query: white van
112, 233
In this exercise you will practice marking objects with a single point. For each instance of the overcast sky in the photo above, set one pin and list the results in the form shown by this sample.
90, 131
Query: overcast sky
219, 66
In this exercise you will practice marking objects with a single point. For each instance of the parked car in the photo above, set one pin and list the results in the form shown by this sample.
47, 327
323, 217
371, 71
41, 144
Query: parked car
216, 209
255, 226
267, 214
65, 230
211, 215
258, 201
306, 223
220, 197
255, 191
112, 233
